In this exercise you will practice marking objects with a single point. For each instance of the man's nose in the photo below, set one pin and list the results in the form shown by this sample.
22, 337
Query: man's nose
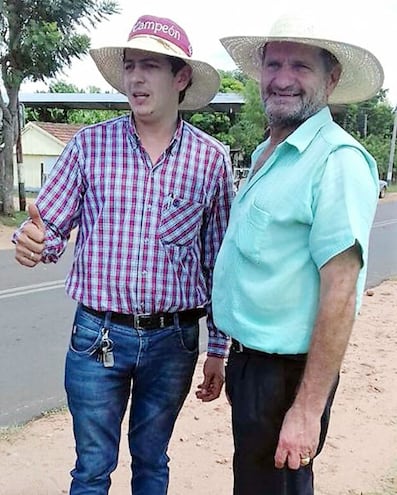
284, 77
136, 74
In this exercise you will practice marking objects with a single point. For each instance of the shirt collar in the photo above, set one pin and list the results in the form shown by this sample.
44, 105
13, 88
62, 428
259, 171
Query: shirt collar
305, 133
176, 138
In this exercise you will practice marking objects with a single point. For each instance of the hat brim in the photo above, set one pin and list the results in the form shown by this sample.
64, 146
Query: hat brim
362, 74
205, 79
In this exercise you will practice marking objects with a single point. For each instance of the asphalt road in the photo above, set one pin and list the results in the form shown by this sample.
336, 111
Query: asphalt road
36, 318
35, 324
382, 257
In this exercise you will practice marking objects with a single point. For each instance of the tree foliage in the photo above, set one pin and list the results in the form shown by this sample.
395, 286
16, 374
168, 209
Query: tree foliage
231, 82
37, 40
251, 123
371, 123
216, 124
246, 130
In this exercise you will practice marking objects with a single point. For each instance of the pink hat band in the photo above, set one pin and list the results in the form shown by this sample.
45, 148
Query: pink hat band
164, 29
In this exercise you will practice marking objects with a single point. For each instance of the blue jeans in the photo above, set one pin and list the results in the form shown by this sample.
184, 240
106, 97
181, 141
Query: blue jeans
155, 369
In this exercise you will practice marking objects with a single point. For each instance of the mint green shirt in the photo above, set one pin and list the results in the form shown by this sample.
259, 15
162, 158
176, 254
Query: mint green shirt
315, 196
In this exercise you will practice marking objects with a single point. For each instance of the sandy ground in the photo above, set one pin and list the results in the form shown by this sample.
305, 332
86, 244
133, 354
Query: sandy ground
360, 456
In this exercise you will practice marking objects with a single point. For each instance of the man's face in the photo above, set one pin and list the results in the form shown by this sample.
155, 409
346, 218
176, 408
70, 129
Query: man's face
151, 87
294, 83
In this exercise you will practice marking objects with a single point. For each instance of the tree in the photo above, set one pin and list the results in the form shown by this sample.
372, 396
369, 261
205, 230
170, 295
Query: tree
37, 40
217, 124
373, 116
371, 123
249, 130
231, 82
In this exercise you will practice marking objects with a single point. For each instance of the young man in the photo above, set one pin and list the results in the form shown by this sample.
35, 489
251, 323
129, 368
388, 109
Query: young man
150, 195
297, 241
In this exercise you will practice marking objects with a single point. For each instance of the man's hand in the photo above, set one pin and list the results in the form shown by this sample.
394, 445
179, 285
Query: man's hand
214, 377
300, 433
30, 244
299, 438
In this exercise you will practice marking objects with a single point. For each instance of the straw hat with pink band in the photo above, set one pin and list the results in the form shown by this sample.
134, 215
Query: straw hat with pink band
163, 36
362, 73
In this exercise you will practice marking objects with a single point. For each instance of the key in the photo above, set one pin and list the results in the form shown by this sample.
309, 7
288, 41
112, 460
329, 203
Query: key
108, 359
106, 352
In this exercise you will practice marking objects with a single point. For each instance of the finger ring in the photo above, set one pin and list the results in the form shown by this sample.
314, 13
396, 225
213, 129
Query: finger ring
305, 461
31, 255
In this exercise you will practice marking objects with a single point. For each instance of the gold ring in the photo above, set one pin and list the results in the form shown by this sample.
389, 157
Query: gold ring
305, 461
31, 255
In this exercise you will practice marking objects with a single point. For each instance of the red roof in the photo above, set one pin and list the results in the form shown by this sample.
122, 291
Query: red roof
63, 132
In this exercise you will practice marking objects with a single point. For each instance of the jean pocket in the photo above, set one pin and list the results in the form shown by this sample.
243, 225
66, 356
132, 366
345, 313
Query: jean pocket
189, 337
85, 340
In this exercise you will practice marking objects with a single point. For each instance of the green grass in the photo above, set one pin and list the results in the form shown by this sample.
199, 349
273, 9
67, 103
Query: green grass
9, 432
13, 220
17, 217
392, 188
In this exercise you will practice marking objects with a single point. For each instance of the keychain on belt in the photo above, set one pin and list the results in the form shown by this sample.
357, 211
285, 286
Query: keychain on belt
105, 351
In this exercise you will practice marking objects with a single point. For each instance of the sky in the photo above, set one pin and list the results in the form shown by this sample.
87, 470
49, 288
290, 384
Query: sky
372, 26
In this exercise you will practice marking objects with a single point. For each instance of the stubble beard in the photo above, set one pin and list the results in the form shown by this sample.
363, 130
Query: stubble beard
293, 117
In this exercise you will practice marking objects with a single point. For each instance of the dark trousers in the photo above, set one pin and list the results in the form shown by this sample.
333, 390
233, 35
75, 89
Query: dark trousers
262, 388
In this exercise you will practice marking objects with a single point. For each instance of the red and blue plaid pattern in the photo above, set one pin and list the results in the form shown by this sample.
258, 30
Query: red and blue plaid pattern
148, 234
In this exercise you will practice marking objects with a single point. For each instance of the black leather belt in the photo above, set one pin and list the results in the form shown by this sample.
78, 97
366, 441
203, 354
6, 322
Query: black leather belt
241, 349
150, 321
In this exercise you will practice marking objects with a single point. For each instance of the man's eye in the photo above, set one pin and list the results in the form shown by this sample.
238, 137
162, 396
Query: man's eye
302, 66
272, 65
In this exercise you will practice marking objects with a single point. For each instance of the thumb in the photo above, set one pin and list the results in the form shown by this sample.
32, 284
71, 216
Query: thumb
35, 217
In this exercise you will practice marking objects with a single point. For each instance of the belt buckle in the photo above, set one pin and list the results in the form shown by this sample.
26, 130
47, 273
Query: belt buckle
136, 321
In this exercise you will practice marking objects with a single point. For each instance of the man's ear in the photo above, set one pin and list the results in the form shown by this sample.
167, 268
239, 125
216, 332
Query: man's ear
183, 77
333, 78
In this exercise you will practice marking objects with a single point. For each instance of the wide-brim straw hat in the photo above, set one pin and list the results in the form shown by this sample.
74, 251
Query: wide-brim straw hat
163, 36
362, 74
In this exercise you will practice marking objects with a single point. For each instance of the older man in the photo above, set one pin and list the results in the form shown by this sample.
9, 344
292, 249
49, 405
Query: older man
297, 241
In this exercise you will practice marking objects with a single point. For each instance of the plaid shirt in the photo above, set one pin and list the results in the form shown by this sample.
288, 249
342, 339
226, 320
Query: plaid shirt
148, 234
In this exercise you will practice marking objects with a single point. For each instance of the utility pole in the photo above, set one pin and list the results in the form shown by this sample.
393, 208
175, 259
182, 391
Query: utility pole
392, 149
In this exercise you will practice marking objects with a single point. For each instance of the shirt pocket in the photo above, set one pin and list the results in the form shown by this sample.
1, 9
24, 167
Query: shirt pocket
252, 234
180, 222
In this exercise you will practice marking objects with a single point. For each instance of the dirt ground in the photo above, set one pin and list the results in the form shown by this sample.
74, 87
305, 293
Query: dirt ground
360, 456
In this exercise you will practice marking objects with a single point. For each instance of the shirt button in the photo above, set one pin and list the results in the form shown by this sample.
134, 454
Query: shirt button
144, 273
176, 203
146, 240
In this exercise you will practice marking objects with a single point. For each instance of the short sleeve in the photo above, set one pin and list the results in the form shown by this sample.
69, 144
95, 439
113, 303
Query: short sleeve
344, 205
